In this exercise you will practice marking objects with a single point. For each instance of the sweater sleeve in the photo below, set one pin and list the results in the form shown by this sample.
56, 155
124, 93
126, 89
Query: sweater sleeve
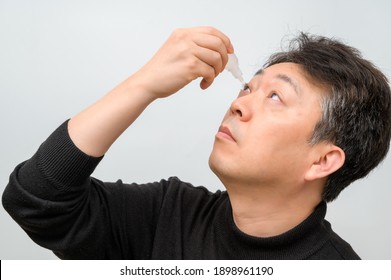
61, 207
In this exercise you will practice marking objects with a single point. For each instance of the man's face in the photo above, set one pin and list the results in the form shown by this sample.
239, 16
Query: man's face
263, 139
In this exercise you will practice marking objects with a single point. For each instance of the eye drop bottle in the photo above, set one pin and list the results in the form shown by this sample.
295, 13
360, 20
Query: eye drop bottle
233, 67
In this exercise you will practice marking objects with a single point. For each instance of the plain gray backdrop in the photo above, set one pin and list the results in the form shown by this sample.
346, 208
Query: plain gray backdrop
57, 57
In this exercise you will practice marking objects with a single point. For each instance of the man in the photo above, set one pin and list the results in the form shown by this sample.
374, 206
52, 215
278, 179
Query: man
315, 119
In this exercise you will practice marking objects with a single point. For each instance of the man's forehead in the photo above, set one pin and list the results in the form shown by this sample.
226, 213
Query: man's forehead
286, 72
283, 67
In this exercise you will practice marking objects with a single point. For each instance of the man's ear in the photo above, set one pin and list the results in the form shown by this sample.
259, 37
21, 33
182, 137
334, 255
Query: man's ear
330, 160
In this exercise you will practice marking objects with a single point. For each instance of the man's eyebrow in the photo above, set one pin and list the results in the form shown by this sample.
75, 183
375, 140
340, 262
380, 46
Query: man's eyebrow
289, 80
284, 78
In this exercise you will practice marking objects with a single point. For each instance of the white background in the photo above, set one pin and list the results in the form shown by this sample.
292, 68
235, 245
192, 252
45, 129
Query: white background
57, 57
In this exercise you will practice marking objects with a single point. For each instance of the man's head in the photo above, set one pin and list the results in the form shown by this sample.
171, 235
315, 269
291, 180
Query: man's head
356, 109
334, 117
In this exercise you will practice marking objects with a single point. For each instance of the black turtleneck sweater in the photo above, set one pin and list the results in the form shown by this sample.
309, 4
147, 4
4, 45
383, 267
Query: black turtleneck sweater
54, 199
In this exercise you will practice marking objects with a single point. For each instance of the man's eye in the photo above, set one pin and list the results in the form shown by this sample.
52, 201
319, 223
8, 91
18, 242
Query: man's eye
246, 88
275, 96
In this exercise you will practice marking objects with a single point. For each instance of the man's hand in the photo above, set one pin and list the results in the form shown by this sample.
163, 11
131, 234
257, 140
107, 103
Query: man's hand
187, 55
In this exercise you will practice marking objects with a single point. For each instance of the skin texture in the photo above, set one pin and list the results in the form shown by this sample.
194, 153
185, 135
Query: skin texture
273, 176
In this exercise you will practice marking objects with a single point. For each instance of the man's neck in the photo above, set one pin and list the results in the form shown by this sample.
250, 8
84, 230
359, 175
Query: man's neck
262, 212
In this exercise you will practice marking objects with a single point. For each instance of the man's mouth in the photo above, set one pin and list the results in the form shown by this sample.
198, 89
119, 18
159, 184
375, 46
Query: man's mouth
225, 133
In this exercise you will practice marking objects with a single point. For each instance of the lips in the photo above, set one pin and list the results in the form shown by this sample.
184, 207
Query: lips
224, 132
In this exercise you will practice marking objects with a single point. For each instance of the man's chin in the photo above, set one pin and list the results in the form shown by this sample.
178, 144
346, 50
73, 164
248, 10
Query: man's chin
219, 169
214, 166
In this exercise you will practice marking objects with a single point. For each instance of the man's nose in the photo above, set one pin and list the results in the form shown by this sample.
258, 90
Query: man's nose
241, 107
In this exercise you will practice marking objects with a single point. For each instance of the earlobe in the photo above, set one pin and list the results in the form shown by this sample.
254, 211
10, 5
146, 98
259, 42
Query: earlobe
329, 162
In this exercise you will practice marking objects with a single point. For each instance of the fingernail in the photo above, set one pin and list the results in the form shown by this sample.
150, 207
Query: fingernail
231, 48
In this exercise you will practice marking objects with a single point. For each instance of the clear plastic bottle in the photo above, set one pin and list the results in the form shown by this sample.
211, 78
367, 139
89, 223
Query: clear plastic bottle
233, 67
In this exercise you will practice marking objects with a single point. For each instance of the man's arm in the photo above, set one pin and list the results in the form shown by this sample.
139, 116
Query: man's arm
187, 55
52, 196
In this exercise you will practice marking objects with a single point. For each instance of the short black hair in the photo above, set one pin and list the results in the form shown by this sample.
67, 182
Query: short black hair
356, 109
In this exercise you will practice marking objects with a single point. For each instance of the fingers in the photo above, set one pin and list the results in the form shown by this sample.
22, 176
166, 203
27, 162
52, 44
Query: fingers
189, 54
212, 58
204, 70
207, 38
217, 33
212, 50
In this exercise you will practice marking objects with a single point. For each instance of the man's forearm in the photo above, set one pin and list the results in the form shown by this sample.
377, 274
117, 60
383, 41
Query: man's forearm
96, 128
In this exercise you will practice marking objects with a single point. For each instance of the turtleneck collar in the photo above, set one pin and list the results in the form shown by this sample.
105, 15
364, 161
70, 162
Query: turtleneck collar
297, 243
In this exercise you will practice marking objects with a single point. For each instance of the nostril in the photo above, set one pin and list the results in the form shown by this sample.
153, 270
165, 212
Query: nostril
239, 113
